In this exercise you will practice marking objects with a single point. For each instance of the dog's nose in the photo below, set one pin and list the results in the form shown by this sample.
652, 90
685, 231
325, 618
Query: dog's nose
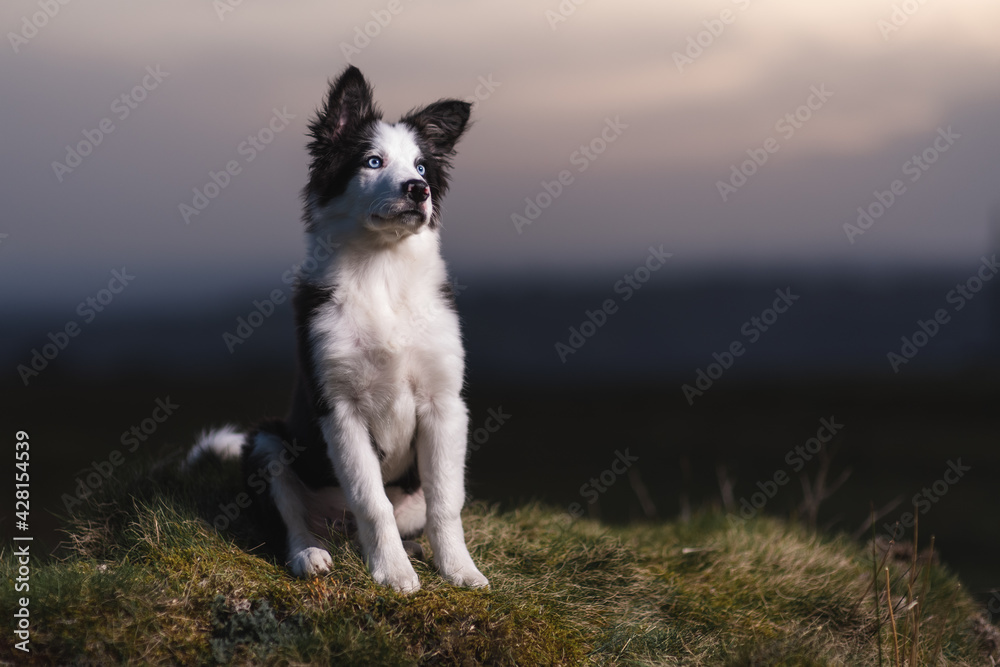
416, 190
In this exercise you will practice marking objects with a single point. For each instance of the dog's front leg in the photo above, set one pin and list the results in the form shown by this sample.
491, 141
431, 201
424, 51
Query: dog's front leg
441, 443
357, 468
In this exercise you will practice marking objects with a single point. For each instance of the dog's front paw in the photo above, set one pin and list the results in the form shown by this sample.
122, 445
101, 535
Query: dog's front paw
466, 575
395, 573
311, 562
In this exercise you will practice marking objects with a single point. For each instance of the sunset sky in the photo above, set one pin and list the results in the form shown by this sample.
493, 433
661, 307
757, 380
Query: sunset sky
684, 93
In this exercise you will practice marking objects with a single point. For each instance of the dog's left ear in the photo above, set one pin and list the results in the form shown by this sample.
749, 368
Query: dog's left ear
441, 124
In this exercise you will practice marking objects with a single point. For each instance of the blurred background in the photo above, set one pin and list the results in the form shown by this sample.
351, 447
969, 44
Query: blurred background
823, 178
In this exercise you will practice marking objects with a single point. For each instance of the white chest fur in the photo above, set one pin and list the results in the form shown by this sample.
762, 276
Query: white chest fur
388, 341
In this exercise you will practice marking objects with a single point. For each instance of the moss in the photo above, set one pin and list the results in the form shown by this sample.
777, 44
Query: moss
253, 627
146, 578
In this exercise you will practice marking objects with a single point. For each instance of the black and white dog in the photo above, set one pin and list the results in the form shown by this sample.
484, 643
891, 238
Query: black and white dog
376, 434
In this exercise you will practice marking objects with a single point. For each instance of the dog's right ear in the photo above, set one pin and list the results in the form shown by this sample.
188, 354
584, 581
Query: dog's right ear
348, 103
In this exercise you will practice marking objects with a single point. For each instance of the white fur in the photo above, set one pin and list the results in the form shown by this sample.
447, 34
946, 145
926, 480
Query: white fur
409, 509
225, 442
389, 356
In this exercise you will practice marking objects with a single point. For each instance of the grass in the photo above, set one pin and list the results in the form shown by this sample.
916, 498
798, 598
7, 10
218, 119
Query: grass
145, 578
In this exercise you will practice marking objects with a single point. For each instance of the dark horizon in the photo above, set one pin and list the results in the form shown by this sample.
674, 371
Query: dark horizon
666, 327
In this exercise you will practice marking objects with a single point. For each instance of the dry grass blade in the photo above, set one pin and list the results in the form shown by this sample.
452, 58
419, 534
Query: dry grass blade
875, 567
892, 617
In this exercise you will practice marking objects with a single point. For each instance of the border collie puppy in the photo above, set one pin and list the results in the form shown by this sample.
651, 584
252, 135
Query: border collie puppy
376, 434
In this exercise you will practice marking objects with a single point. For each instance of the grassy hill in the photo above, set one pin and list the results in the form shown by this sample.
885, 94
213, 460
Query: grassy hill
145, 578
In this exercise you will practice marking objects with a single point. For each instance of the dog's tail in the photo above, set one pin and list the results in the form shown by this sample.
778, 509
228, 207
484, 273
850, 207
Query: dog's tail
225, 442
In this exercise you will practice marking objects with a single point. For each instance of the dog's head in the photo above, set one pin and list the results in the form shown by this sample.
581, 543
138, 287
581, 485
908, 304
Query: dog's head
372, 177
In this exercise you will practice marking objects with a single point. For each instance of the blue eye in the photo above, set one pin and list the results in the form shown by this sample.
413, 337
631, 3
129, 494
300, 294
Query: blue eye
374, 162
421, 169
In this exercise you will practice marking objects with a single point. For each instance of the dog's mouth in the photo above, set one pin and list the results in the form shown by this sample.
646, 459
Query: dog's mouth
407, 217
397, 223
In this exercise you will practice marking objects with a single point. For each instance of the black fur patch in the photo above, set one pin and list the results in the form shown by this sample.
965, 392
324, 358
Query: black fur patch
410, 481
258, 483
309, 404
308, 298
447, 291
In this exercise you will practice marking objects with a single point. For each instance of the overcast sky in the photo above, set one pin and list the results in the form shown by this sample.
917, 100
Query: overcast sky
680, 91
